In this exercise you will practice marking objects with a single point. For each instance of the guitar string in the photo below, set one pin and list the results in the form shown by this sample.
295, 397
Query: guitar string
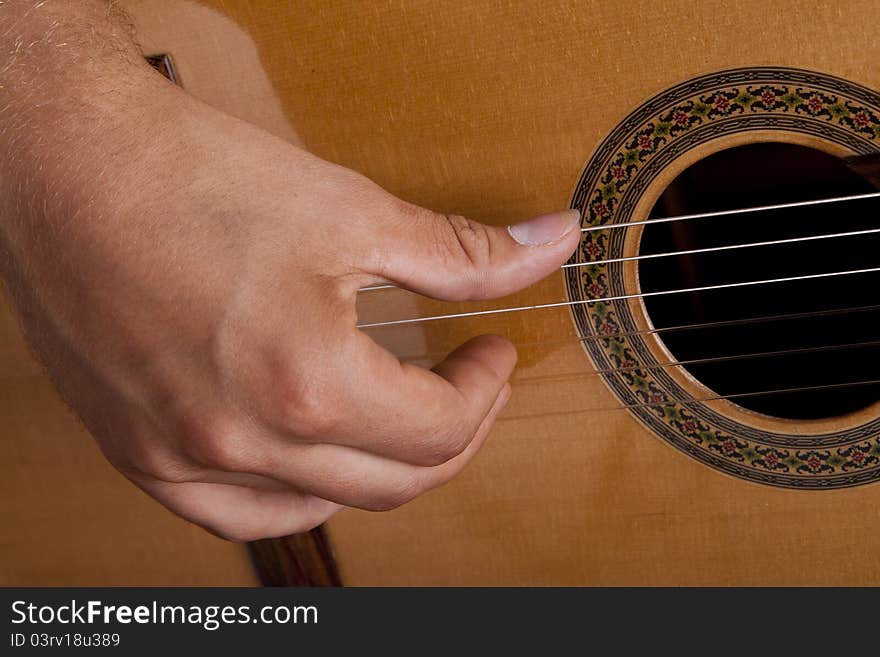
715, 249
696, 289
636, 366
668, 254
733, 357
668, 401
530, 380
696, 361
705, 215
739, 211
622, 297
724, 323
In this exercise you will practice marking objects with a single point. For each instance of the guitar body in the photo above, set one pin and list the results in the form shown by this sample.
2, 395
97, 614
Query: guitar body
499, 111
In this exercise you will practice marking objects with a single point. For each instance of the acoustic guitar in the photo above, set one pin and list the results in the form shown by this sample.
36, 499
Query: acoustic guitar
696, 400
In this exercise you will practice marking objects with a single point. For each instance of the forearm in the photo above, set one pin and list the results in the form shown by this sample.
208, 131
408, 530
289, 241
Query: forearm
76, 103
53, 51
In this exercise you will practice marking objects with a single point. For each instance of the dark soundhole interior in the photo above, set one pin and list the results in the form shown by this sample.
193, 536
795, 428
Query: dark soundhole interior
828, 345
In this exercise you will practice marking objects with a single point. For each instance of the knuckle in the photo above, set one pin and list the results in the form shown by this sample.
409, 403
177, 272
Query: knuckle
172, 472
146, 456
160, 466
472, 240
448, 445
308, 409
214, 443
395, 494
467, 247
298, 395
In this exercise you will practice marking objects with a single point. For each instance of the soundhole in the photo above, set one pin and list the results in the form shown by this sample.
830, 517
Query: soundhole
825, 351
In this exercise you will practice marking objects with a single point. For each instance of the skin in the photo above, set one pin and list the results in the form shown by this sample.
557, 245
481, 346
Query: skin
160, 253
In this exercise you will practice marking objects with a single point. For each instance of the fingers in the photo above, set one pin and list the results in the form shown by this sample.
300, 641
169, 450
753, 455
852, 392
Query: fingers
329, 474
454, 258
240, 513
359, 479
374, 403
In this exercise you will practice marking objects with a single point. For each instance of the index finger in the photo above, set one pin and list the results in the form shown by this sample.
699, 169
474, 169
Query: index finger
408, 413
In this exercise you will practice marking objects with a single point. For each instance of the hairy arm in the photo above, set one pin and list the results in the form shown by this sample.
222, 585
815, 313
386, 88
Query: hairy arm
68, 68
179, 273
74, 100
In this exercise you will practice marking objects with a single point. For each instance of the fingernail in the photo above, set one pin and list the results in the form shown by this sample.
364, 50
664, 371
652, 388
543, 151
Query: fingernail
546, 229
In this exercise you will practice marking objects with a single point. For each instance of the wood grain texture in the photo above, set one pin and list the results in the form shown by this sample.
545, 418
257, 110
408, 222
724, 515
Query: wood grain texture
490, 109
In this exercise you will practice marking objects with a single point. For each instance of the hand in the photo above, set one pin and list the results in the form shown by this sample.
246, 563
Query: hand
190, 285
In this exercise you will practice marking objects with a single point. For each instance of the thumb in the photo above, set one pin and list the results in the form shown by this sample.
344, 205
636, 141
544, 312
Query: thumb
453, 258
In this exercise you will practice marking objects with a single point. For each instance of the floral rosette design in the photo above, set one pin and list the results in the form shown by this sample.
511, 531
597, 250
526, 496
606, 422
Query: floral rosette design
621, 169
